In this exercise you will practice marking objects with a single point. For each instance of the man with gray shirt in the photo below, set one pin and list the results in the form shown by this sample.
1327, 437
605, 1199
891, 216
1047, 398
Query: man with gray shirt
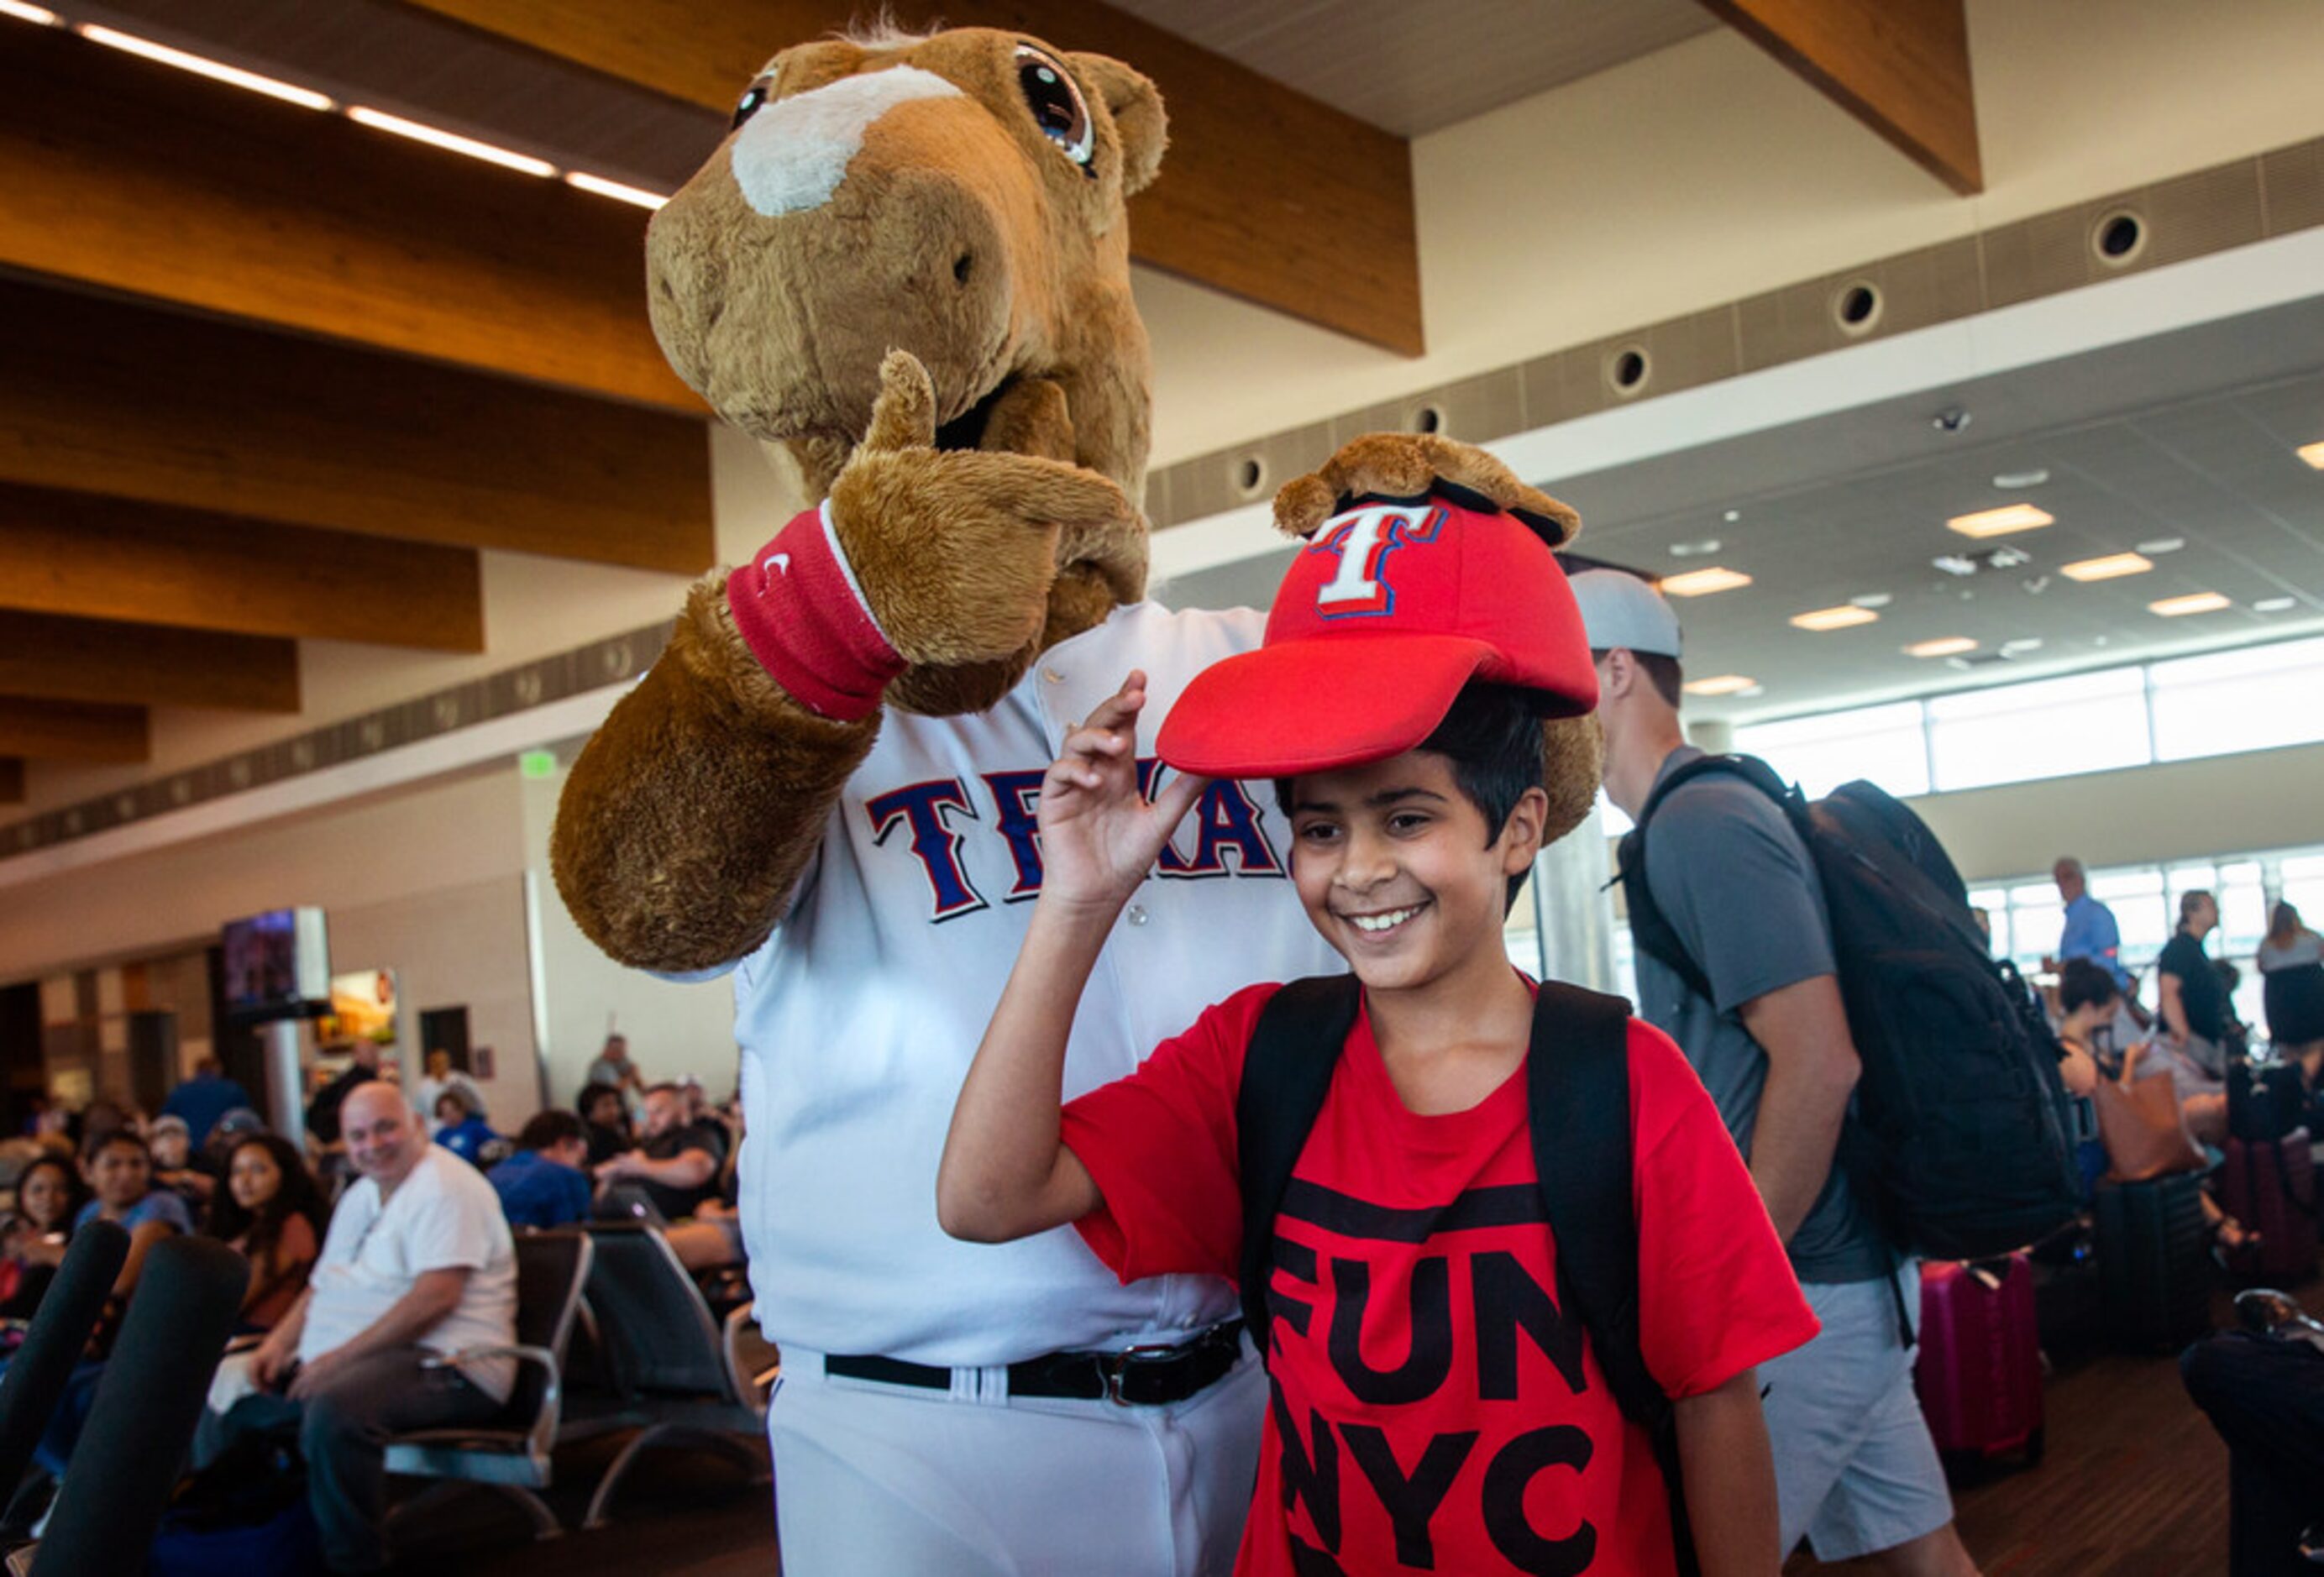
1856, 1471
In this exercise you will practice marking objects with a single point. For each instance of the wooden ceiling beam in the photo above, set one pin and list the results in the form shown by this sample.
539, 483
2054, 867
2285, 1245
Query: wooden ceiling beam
131, 176
68, 731
99, 394
85, 556
1901, 67
1266, 194
151, 665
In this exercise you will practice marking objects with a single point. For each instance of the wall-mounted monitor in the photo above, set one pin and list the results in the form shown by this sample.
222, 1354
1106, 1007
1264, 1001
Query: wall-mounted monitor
278, 965
363, 1008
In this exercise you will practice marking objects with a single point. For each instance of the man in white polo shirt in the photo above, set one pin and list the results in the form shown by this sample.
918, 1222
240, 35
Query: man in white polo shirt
417, 1262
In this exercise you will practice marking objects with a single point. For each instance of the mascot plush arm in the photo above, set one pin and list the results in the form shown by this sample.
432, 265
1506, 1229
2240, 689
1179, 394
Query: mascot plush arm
694, 810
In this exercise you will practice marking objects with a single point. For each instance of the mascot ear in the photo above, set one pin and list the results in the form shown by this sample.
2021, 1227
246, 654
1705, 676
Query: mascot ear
1138, 117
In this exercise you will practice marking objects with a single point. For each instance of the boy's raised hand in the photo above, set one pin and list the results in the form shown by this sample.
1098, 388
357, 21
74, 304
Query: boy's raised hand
1098, 835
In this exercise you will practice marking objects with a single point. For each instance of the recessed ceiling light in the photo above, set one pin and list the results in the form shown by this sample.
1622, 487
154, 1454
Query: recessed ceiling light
434, 136
2162, 544
1703, 549
215, 70
1702, 583
1838, 618
2275, 605
2011, 481
2111, 567
2022, 645
33, 13
1723, 685
1945, 646
1732, 515
1870, 600
2000, 522
2312, 453
637, 196
2192, 602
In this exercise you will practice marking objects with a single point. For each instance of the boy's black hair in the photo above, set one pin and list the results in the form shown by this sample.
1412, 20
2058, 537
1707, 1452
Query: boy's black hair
1492, 738
544, 1129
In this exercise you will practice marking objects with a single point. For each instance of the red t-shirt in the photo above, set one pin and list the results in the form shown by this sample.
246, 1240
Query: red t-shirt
1431, 1407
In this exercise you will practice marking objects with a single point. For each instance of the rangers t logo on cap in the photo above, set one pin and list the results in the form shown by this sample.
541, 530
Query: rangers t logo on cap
1362, 538
1367, 646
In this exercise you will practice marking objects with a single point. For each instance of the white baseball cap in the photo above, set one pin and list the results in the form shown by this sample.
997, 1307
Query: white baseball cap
1619, 609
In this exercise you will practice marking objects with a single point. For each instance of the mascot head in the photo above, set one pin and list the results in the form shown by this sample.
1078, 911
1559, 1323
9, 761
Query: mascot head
958, 196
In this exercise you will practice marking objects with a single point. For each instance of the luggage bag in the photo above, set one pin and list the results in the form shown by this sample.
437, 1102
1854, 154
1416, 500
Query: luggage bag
2153, 1261
2269, 1185
1980, 1364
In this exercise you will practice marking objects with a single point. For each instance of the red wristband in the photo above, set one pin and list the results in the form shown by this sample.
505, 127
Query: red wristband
801, 614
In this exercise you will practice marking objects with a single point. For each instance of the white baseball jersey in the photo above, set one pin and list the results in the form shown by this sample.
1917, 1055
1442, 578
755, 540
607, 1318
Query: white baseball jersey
858, 1017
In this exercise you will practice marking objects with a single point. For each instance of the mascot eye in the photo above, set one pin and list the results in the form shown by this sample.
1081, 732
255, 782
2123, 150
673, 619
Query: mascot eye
750, 103
1056, 105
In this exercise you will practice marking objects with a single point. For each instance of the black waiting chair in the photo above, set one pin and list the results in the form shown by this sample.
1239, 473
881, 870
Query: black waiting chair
677, 1376
53, 1340
133, 1445
512, 1453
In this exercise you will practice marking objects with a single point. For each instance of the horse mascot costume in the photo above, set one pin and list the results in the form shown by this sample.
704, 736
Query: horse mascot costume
907, 266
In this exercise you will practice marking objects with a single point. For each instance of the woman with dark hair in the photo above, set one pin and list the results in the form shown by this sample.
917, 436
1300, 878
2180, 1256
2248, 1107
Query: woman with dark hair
605, 1122
271, 1211
49, 1194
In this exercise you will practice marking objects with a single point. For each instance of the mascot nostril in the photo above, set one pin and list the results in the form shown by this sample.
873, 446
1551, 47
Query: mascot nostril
962, 266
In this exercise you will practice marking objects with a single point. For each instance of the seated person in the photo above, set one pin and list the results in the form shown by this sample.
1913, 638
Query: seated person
461, 1128
605, 1122
2087, 1000
543, 1184
417, 1262
677, 1161
1409, 836
176, 1167
712, 1240
119, 1171
270, 1212
33, 1239
442, 1075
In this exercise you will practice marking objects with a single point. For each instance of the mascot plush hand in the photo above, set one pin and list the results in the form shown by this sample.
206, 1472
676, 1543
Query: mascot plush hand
907, 266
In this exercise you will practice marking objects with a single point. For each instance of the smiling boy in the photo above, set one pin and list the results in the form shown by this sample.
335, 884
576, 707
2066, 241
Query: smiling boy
1434, 1407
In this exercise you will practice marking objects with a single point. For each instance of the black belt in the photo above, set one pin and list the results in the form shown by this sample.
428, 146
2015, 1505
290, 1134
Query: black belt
1134, 1376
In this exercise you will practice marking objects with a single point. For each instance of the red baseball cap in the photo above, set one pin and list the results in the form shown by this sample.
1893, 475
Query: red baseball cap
1393, 605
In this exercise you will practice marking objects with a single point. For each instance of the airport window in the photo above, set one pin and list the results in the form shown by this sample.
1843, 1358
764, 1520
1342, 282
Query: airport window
1887, 745
2254, 698
2051, 728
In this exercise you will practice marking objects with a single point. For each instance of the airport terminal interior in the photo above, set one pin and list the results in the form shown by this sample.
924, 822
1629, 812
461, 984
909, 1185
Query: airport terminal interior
1955, 369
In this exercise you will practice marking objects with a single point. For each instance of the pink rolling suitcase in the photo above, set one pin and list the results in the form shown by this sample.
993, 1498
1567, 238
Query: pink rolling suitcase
1979, 1366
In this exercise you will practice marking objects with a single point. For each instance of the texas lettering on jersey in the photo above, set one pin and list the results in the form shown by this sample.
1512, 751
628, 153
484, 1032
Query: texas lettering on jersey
1387, 1320
935, 821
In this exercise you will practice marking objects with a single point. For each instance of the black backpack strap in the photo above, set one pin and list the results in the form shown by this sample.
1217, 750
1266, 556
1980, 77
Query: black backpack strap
1286, 1071
1578, 1088
1649, 929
